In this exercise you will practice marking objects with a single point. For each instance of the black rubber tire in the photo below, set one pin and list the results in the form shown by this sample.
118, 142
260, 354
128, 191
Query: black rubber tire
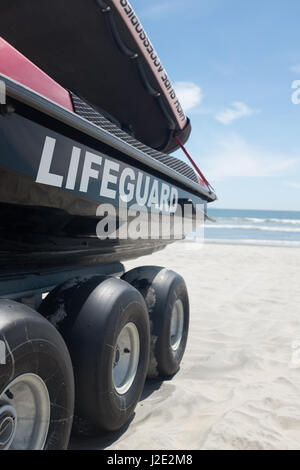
34, 346
90, 314
161, 288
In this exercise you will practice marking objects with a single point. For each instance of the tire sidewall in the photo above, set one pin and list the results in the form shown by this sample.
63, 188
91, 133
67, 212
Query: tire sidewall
161, 288
127, 401
94, 312
34, 346
169, 360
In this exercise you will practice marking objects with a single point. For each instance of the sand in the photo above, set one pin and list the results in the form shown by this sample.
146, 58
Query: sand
239, 383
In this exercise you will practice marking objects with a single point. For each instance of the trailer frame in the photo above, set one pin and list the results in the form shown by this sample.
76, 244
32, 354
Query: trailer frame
29, 287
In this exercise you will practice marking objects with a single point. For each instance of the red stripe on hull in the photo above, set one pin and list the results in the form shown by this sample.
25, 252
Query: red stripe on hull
14, 65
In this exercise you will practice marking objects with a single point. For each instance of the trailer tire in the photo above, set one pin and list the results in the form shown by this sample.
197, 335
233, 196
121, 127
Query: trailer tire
36, 369
93, 313
166, 297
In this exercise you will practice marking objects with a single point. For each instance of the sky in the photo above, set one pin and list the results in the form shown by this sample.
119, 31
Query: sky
234, 65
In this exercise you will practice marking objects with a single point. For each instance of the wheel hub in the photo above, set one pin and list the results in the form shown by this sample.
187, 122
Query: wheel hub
24, 414
126, 358
177, 323
117, 356
8, 424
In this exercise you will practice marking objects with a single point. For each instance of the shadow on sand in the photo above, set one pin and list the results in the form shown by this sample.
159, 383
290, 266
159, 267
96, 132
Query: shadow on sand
105, 440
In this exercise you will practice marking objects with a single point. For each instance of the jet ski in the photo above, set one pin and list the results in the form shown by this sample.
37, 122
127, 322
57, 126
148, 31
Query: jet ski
89, 119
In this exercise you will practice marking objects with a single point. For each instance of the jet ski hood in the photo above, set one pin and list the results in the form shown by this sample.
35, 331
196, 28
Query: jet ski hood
99, 50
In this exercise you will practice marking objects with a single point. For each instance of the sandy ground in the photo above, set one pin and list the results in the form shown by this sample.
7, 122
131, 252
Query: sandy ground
239, 384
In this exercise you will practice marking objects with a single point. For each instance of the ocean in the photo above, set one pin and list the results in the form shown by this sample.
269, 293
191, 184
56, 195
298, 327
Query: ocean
257, 227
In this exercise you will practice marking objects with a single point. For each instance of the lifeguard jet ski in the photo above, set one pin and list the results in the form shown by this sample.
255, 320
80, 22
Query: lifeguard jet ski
88, 120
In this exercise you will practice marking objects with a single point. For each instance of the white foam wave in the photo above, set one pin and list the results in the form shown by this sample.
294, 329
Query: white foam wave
253, 227
258, 220
279, 243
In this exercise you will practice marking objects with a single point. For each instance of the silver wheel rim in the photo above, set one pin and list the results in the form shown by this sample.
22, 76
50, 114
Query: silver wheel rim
126, 358
27, 400
177, 321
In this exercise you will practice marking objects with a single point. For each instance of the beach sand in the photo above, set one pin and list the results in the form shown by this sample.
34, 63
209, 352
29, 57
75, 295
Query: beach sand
239, 383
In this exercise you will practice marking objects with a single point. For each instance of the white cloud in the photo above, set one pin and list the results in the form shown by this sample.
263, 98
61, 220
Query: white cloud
237, 111
189, 94
295, 68
236, 158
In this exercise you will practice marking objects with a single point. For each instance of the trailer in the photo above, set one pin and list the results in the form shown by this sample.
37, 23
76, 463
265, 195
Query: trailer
104, 328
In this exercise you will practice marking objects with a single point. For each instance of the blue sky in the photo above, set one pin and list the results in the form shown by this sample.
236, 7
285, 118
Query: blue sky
233, 63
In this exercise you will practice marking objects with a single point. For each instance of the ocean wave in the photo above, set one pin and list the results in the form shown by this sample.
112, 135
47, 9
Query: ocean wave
253, 227
279, 243
258, 220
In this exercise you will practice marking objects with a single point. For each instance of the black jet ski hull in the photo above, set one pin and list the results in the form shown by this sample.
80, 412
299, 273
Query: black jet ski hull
48, 210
